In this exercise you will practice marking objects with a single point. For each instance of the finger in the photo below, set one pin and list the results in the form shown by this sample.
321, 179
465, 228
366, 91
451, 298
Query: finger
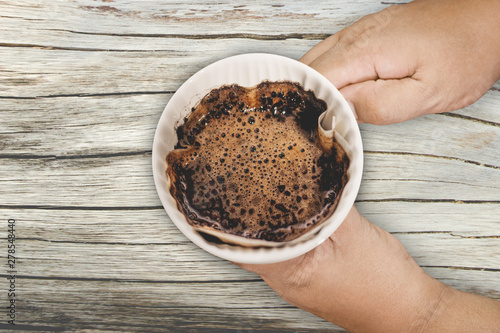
389, 101
319, 49
342, 66
350, 33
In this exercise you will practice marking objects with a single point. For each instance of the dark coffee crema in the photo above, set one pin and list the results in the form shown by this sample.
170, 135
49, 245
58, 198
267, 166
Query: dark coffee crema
249, 162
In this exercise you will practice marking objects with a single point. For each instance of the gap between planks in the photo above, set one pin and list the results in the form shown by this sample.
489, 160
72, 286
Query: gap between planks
451, 233
171, 92
257, 37
69, 278
307, 36
122, 208
222, 281
149, 152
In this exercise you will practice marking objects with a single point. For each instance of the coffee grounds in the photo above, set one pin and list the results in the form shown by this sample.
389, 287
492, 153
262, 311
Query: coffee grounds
248, 162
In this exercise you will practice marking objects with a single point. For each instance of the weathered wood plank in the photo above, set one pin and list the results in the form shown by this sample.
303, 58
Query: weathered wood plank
126, 181
17, 36
126, 123
188, 17
32, 71
102, 182
145, 245
35, 72
80, 125
441, 136
161, 307
422, 177
186, 262
456, 219
152, 226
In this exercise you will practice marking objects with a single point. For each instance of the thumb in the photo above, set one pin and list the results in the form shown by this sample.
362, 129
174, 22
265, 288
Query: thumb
391, 101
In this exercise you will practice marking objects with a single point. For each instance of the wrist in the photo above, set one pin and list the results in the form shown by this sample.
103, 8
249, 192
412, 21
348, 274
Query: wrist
432, 305
413, 305
465, 312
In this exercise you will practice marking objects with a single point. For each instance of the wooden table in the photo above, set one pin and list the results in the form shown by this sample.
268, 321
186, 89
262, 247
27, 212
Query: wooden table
82, 86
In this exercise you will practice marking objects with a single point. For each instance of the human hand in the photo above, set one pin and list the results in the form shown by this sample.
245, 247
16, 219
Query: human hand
427, 56
361, 278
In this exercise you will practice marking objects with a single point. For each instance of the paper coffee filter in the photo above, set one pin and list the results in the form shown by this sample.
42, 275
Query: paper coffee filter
249, 70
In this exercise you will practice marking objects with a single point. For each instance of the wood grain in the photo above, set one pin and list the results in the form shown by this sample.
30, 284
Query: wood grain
156, 242
82, 86
118, 181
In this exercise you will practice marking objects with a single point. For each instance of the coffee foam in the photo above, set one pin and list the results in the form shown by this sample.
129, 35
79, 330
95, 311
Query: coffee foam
249, 162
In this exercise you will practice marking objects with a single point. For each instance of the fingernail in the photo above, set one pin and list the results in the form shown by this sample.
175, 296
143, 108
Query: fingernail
353, 110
